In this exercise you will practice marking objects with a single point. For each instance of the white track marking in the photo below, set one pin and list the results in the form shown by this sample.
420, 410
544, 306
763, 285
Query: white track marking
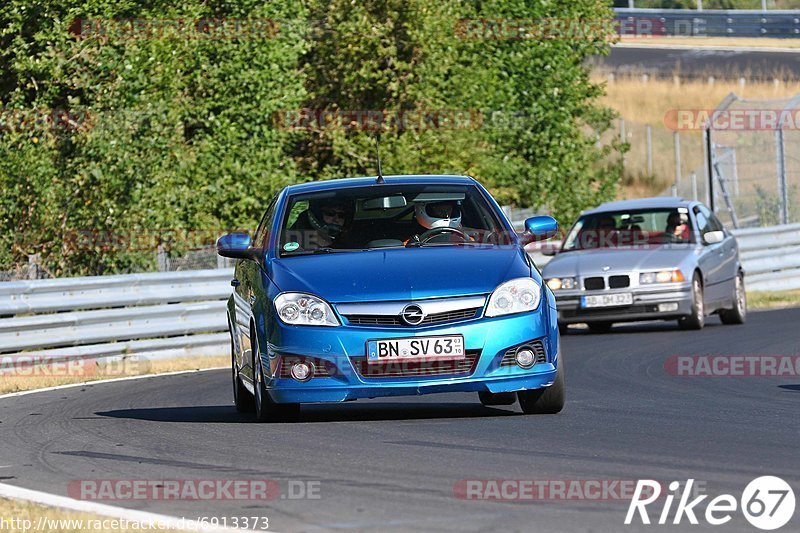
42, 498
102, 381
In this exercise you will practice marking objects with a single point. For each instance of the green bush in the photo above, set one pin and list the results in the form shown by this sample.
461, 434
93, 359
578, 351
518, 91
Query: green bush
178, 132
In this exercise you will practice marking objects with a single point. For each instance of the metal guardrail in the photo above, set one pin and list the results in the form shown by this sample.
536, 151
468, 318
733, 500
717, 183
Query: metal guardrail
708, 23
183, 313
770, 257
160, 315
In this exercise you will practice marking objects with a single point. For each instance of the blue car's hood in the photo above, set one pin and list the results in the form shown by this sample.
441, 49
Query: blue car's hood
400, 274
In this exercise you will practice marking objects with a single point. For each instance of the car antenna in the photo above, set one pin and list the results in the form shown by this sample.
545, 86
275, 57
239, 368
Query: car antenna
378, 153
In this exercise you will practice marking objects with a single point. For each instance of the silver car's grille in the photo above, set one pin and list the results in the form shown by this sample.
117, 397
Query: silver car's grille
594, 284
619, 282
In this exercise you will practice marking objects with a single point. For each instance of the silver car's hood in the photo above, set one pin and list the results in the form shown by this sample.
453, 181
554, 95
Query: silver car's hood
598, 261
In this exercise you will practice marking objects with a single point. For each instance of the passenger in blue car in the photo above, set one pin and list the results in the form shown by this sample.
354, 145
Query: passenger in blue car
325, 223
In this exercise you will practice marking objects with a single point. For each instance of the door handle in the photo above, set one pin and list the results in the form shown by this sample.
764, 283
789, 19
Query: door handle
235, 282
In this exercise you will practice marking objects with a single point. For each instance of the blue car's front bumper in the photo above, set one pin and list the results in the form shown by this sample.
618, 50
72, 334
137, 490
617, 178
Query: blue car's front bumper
342, 349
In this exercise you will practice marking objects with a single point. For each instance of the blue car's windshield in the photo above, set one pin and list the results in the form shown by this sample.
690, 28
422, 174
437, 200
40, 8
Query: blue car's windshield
362, 218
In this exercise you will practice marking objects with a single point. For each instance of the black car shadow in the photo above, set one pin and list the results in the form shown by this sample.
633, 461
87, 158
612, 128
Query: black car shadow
793, 388
351, 412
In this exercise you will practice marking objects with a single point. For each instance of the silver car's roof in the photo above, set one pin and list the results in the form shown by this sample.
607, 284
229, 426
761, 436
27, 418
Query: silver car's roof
641, 203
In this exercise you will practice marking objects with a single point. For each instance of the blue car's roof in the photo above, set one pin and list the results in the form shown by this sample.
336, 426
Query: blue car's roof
641, 203
317, 186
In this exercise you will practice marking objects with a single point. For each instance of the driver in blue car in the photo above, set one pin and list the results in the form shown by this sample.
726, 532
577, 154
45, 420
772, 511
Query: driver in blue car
440, 222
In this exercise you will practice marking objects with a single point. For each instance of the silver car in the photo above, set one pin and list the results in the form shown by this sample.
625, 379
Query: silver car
647, 259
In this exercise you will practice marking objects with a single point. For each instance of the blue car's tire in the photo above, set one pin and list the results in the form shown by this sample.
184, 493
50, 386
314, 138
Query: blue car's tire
547, 401
500, 398
266, 409
242, 398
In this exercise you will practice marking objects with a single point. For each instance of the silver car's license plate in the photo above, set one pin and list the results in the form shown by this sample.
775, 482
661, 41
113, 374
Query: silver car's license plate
449, 347
607, 300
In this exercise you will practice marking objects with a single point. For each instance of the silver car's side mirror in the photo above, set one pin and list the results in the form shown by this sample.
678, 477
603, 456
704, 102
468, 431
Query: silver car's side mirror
713, 237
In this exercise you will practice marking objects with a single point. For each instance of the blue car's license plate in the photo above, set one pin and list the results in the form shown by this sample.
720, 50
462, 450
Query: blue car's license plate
416, 349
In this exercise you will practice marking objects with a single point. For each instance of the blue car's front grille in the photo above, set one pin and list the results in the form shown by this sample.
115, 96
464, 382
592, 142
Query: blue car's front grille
407, 369
395, 320
509, 359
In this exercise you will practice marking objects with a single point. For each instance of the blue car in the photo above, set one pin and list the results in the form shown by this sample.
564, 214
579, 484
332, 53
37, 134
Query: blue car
377, 287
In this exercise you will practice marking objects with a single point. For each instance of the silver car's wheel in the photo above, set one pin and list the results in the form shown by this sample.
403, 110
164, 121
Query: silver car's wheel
697, 318
738, 313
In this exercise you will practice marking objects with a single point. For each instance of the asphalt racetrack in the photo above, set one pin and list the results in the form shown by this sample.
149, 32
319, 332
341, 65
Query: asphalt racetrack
700, 63
392, 465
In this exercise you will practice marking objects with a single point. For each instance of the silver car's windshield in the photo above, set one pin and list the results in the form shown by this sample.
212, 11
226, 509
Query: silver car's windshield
641, 227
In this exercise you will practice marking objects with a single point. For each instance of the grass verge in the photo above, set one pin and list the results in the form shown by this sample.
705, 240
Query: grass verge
25, 517
22, 375
773, 300
642, 102
733, 42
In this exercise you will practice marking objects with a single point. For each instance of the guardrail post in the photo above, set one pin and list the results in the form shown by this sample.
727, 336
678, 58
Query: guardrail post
782, 188
34, 266
163, 259
677, 140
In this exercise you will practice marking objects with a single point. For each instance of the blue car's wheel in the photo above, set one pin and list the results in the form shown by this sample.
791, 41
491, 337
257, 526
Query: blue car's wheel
547, 401
266, 409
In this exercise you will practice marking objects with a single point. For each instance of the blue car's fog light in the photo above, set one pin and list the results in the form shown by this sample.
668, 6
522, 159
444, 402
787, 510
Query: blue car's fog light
525, 358
302, 371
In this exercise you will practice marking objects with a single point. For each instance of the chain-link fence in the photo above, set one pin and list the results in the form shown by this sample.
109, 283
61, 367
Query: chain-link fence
754, 146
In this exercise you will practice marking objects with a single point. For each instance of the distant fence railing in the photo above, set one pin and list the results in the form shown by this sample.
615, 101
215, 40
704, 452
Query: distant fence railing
708, 23
174, 314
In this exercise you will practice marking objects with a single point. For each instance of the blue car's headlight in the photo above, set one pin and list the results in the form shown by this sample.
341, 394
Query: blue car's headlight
515, 296
301, 309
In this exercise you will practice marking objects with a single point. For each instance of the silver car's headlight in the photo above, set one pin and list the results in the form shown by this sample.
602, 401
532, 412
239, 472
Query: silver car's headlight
516, 296
301, 309
663, 276
556, 284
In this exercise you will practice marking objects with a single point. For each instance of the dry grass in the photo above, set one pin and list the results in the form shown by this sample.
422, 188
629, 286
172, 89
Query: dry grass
23, 378
15, 515
641, 101
773, 300
699, 42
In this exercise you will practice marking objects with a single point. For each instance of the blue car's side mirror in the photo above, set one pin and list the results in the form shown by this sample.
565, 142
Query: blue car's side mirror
541, 228
235, 245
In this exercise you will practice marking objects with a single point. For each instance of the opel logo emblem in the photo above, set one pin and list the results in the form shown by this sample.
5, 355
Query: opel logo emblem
606, 268
413, 315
